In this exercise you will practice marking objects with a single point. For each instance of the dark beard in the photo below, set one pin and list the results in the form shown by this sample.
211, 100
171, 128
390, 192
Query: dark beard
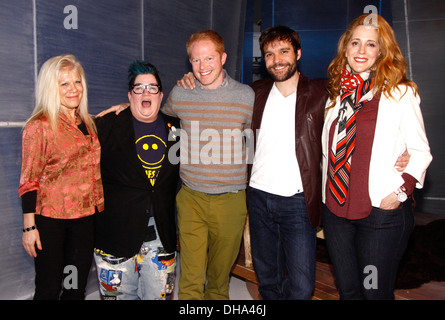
290, 72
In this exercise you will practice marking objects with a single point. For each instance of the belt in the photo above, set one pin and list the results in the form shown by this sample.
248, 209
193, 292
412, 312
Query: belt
218, 194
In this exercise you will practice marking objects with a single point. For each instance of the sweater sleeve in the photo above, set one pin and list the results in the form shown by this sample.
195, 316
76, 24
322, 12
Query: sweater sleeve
168, 107
410, 183
29, 201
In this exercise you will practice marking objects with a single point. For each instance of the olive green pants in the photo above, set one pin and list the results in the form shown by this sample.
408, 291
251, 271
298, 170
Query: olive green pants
210, 232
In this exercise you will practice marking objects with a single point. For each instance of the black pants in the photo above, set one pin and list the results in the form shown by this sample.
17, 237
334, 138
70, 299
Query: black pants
63, 265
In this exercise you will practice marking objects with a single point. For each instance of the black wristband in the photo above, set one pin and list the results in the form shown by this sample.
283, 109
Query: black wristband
29, 229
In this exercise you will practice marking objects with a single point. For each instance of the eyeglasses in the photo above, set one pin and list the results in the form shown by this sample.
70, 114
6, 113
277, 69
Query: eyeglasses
151, 88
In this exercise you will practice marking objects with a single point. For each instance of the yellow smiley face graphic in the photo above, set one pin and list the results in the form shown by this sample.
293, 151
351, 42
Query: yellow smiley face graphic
151, 143
150, 149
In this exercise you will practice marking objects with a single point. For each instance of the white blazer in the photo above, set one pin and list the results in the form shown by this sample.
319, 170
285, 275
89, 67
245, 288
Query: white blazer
399, 127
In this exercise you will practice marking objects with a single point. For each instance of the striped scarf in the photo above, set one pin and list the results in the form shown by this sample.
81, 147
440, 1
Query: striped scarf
356, 90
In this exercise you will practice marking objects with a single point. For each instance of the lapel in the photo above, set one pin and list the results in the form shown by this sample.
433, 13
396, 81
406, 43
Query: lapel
261, 94
165, 163
300, 113
124, 135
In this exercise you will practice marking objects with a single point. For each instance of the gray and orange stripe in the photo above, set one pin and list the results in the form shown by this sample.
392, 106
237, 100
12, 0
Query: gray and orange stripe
213, 148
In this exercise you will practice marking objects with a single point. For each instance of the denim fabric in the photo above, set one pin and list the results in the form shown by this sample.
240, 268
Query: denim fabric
283, 245
141, 277
365, 253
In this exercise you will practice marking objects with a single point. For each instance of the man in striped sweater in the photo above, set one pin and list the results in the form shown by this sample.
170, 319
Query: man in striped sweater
212, 201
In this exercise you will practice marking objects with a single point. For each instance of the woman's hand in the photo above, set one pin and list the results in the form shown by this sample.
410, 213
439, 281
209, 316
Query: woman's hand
117, 108
187, 81
390, 202
402, 161
31, 239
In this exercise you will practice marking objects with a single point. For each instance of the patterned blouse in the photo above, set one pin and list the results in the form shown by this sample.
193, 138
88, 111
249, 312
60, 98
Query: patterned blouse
63, 167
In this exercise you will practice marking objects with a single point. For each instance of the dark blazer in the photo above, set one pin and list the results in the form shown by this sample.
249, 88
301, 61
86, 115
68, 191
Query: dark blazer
311, 100
121, 227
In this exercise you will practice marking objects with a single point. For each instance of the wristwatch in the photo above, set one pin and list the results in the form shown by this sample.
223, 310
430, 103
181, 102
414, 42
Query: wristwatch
401, 194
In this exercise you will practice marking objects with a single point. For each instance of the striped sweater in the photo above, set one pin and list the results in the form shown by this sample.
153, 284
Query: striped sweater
213, 123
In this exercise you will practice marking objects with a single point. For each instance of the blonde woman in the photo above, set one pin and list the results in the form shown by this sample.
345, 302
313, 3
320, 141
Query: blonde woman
372, 116
60, 183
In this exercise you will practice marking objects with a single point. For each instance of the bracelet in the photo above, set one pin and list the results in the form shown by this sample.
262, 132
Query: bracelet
30, 228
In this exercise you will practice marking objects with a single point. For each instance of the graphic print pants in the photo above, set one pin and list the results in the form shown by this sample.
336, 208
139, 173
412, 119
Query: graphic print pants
143, 276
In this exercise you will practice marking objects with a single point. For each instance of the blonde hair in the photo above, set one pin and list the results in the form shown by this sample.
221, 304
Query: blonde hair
47, 94
390, 66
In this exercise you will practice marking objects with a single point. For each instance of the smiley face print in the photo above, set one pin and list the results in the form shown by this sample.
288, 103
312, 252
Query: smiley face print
151, 153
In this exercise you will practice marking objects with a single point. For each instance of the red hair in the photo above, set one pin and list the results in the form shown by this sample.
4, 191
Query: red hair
390, 66
211, 35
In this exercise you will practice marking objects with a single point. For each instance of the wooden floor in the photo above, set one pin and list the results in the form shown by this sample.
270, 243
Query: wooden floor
325, 288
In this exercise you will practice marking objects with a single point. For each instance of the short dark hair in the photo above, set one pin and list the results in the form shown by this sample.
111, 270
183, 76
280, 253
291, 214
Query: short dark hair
142, 67
280, 33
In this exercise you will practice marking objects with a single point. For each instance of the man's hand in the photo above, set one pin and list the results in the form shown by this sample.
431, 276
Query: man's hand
187, 81
117, 108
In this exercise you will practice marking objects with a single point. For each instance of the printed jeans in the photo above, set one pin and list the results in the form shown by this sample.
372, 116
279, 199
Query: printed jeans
141, 277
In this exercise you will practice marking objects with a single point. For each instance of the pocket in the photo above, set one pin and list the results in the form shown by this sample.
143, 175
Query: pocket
404, 207
388, 211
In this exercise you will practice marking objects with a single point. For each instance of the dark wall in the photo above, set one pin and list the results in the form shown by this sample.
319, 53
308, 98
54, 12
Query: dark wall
420, 30
170, 23
319, 23
109, 35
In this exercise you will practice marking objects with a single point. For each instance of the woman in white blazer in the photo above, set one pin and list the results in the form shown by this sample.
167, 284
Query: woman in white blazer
372, 117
